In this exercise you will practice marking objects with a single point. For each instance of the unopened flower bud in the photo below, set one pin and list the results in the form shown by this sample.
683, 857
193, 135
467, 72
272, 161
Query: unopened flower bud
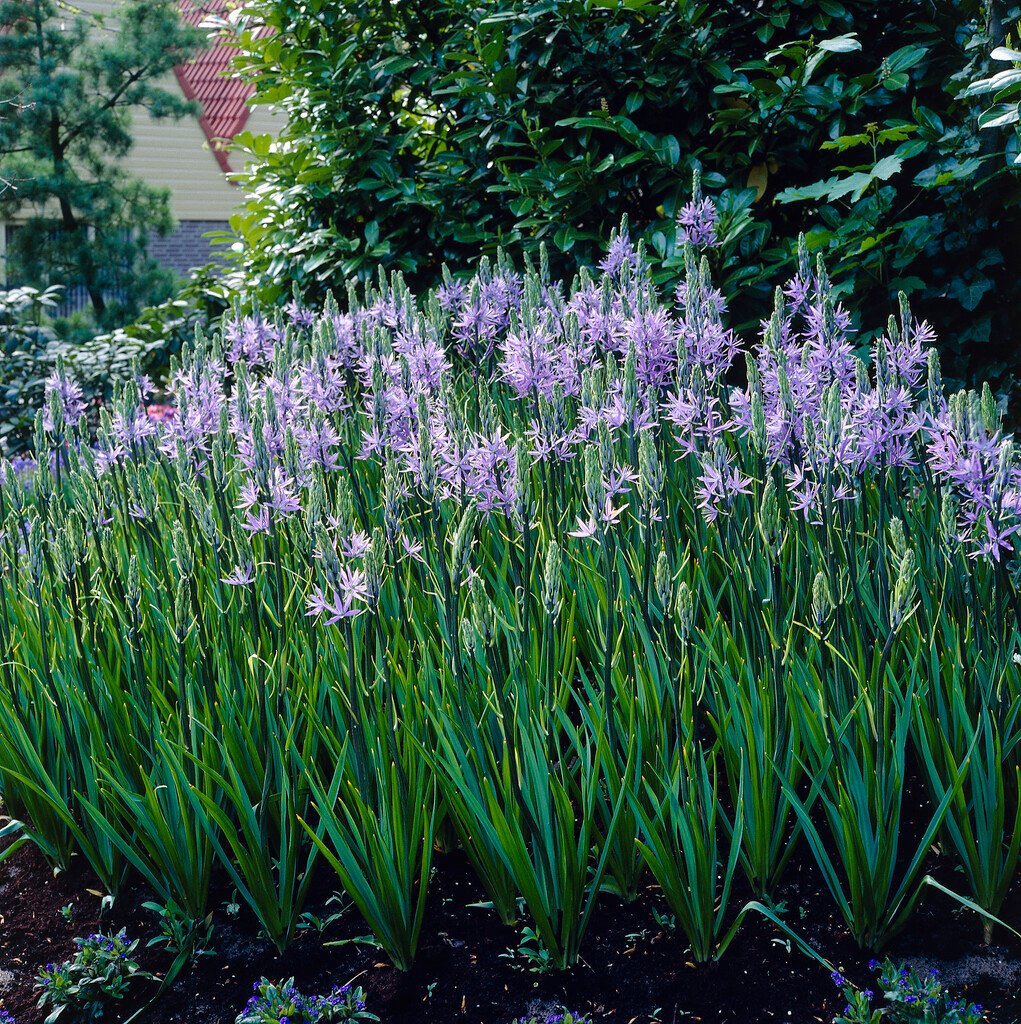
862, 383
372, 563
1005, 467
934, 383
881, 364
904, 308
552, 579
760, 434
483, 614
63, 556
783, 382
769, 516
315, 502
182, 550
903, 589
461, 545
467, 632
595, 490
345, 503
631, 378
892, 331
182, 615
36, 539
990, 412
650, 473
391, 500
522, 474
804, 257
684, 610
948, 521
832, 416
664, 580
898, 538
822, 600
134, 589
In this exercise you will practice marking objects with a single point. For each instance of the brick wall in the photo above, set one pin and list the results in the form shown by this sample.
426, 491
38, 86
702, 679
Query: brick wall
185, 248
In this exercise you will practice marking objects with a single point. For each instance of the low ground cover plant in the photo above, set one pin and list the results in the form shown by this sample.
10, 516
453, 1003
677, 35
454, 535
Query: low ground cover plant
905, 995
563, 574
100, 972
284, 1003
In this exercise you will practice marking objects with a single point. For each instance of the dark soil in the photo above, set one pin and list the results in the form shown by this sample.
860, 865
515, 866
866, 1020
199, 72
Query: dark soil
633, 971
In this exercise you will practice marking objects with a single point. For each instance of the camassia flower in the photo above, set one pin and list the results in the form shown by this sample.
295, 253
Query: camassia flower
284, 425
621, 253
347, 601
63, 392
356, 545
557, 370
696, 223
585, 529
719, 483
257, 521
241, 576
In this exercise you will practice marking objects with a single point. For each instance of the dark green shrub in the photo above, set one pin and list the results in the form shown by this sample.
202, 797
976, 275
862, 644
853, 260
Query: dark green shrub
435, 131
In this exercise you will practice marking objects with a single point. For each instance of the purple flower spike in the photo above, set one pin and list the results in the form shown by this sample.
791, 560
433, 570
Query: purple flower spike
696, 223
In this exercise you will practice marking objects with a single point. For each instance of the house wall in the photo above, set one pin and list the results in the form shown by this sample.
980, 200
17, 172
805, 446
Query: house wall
186, 247
175, 155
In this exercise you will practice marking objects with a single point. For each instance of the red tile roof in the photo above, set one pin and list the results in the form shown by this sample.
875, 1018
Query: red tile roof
208, 79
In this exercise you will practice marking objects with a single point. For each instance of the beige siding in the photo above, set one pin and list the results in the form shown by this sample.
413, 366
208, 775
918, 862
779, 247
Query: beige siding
263, 121
176, 155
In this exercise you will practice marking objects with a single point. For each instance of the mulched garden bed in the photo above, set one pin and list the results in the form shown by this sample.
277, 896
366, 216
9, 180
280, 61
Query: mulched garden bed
633, 972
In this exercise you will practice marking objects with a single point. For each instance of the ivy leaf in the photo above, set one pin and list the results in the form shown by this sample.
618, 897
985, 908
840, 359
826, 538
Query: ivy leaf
831, 189
847, 142
969, 293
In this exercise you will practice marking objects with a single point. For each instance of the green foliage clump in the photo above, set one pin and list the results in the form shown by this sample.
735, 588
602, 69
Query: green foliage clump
515, 561
437, 130
25, 340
